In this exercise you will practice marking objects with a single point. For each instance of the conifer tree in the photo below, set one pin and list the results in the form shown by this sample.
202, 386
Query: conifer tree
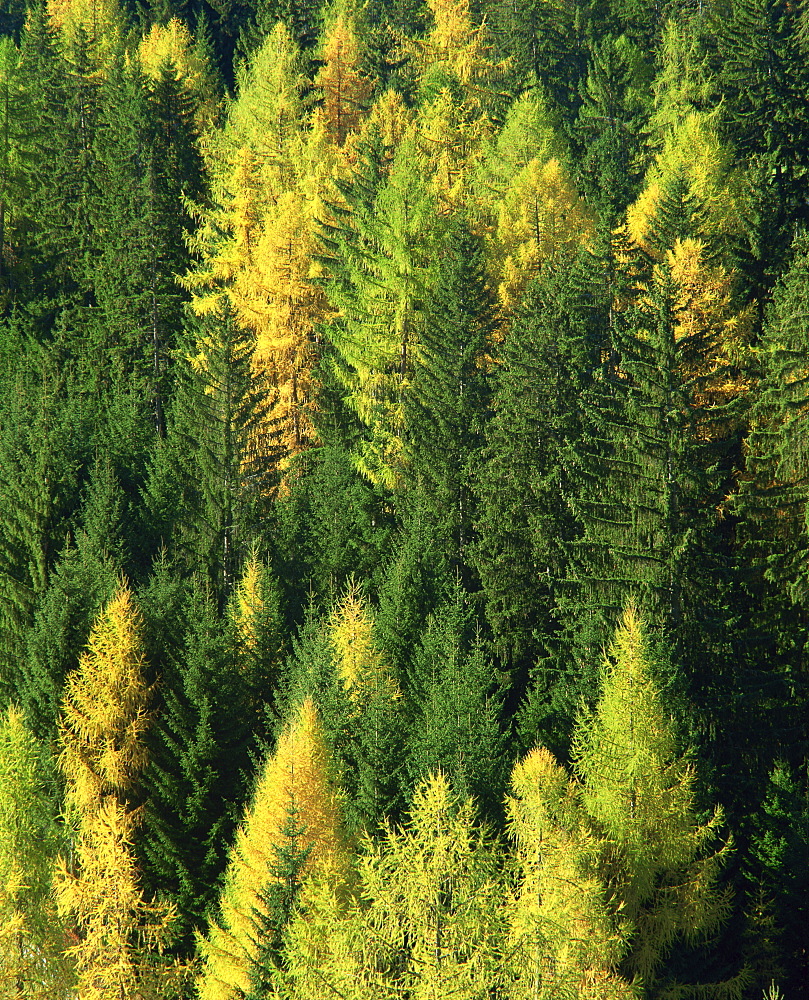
431, 924
102, 732
657, 433
296, 806
639, 791
43, 448
345, 89
608, 120
378, 296
776, 445
214, 474
548, 358
196, 776
33, 938
370, 737
565, 939
454, 707
450, 394
255, 611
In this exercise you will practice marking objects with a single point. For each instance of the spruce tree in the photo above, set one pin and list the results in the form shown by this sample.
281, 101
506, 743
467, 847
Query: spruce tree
454, 707
212, 477
450, 396
196, 778
548, 359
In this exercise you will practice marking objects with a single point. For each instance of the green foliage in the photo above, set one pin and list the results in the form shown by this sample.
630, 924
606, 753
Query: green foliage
196, 779
455, 706
211, 478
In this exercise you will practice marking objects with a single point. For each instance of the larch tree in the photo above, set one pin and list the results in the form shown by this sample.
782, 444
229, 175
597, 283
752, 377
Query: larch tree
367, 710
658, 861
427, 921
541, 215
33, 938
379, 277
283, 304
564, 937
346, 89
105, 718
296, 807
255, 610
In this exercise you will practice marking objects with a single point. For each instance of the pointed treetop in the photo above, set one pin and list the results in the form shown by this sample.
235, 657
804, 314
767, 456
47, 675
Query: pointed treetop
105, 712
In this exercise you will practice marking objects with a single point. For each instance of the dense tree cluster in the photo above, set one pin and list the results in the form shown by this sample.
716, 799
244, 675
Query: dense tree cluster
404, 499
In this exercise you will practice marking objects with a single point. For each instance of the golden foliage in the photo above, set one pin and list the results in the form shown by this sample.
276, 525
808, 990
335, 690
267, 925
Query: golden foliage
540, 215
33, 938
451, 139
100, 21
248, 603
105, 709
426, 923
105, 715
565, 939
692, 149
458, 48
346, 90
296, 778
361, 667
279, 299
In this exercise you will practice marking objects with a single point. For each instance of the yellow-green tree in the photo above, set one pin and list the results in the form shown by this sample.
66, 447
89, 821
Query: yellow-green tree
541, 215
565, 940
33, 939
457, 49
691, 189
296, 799
256, 614
102, 730
638, 791
427, 921
173, 44
361, 667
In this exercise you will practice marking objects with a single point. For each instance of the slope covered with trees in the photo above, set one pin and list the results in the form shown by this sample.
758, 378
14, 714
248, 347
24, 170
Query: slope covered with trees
403, 499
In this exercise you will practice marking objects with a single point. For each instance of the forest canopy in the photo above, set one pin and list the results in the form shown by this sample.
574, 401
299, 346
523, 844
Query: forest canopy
404, 499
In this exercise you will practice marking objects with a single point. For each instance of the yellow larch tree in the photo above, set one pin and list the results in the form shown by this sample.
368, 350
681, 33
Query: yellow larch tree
345, 88
451, 139
33, 938
296, 799
282, 303
100, 21
714, 338
267, 117
540, 215
456, 48
564, 940
694, 159
173, 44
427, 921
361, 667
639, 792
102, 733
256, 614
